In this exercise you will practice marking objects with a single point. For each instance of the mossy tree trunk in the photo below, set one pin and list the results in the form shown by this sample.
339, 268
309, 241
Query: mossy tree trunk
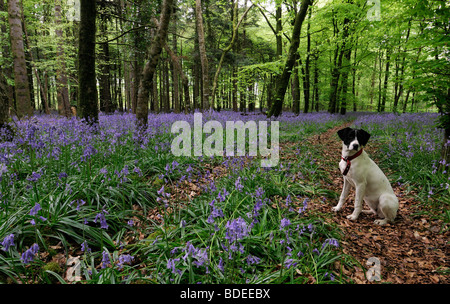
282, 81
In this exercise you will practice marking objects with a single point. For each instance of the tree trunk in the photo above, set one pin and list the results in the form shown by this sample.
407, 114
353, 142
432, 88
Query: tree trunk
22, 88
279, 29
234, 90
386, 78
228, 48
203, 57
336, 72
306, 76
316, 83
104, 68
87, 83
344, 95
175, 70
282, 80
4, 94
62, 89
152, 62
178, 69
295, 88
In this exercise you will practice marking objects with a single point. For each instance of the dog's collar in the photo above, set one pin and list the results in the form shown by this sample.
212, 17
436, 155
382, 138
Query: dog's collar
348, 159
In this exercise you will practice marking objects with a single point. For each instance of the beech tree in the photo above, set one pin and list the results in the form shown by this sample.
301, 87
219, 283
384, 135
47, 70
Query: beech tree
22, 87
203, 57
152, 61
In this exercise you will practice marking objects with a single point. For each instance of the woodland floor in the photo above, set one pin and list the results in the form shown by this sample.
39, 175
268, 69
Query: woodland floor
413, 250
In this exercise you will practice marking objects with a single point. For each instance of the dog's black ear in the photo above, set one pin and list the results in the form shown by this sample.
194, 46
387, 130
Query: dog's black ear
363, 137
343, 133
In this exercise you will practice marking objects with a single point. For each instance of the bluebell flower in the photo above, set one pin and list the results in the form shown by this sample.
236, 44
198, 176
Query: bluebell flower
124, 258
236, 229
259, 192
105, 259
220, 265
289, 263
7, 242
28, 255
34, 177
284, 223
251, 259
332, 242
238, 184
35, 209
85, 247
101, 217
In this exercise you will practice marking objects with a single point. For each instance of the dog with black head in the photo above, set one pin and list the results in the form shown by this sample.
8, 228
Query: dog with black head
370, 183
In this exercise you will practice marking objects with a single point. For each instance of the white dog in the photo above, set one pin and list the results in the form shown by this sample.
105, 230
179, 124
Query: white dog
361, 172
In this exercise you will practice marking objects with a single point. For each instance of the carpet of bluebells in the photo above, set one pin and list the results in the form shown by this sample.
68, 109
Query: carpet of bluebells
97, 204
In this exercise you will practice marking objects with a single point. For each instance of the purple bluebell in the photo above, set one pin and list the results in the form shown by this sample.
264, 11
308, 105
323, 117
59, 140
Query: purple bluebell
124, 259
35, 209
101, 217
28, 255
284, 223
105, 259
7, 242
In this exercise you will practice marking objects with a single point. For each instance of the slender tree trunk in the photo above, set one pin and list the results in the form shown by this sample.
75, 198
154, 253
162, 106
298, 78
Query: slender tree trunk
87, 82
344, 95
105, 71
228, 48
235, 89
4, 94
176, 71
203, 57
282, 80
336, 72
22, 88
386, 78
306, 76
152, 62
62, 88
354, 92
372, 85
279, 29
295, 88
179, 71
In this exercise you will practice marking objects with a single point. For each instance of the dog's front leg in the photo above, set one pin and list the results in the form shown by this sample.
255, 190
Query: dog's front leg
359, 195
343, 197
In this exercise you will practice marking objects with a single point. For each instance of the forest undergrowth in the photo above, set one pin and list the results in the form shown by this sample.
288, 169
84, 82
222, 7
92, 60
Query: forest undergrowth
112, 205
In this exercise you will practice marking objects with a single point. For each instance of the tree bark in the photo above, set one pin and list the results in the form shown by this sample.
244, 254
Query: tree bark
386, 78
336, 73
178, 69
203, 57
306, 76
152, 62
22, 88
87, 83
6, 72
62, 89
104, 68
282, 80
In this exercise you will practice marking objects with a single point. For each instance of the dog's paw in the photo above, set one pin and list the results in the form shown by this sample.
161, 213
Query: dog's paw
381, 222
352, 217
336, 208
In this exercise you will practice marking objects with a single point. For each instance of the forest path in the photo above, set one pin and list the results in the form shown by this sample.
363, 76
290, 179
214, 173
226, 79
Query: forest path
412, 250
